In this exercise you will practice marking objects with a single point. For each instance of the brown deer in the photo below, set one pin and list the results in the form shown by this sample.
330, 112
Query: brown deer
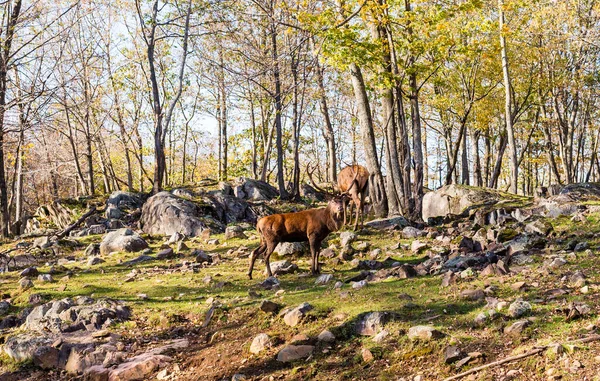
311, 225
353, 180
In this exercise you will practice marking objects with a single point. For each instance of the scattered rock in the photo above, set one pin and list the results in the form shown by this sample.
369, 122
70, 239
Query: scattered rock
47, 278
46, 357
323, 279
472, 294
260, 343
367, 355
94, 261
122, 240
235, 231
326, 336
293, 317
519, 308
29, 272
25, 284
165, 254
557, 262
291, 248
346, 238
517, 327
424, 333
372, 323
295, 352
139, 367
452, 354
269, 306
539, 227
283, 267
411, 232
417, 246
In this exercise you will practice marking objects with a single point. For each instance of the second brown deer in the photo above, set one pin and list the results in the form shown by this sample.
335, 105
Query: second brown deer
352, 180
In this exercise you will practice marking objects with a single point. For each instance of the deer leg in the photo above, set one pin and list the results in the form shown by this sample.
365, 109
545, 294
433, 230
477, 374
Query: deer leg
258, 251
315, 246
346, 202
358, 208
270, 248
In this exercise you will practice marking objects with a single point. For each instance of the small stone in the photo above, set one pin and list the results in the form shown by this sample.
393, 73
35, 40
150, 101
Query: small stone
25, 284
557, 262
295, 352
472, 295
293, 317
416, 246
338, 285
260, 343
423, 332
581, 246
468, 273
516, 327
367, 355
326, 336
269, 306
323, 279
238, 377
347, 238
359, 285
519, 308
452, 354
165, 254
47, 278
518, 286
381, 336
448, 278
29, 272
94, 261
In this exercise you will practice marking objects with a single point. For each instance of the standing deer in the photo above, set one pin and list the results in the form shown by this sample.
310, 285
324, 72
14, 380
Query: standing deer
353, 180
311, 225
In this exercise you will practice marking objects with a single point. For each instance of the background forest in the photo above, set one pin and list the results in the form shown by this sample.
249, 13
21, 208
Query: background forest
100, 95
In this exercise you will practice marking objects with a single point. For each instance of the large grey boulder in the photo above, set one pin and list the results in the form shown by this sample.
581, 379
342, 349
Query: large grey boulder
291, 248
22, 347
166, 214
229, 209
255, 190
122, 240
456, 199
125, 200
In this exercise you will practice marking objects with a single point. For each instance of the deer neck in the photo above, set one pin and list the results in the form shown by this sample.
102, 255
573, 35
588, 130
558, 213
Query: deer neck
333, 223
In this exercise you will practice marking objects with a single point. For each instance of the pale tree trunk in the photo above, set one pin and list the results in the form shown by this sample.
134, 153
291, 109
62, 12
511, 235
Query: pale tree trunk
417, 147
328, 127
512, 148
160, 131
376, 183
393, 179
477, 178
465, 162
283, 194
223, 115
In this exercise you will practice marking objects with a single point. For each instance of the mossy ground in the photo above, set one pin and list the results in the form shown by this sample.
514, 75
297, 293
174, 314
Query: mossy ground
176, 306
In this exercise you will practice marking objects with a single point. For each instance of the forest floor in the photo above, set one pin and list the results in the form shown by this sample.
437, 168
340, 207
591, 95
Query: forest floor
170, 302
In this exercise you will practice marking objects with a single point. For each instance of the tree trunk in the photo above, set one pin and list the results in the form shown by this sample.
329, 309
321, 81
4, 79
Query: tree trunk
512, 148
328, 127
376, 185
283, 194
417, 147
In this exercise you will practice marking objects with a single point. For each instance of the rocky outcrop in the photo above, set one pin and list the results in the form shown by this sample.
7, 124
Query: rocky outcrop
254, 190
457, 199
122, 240
166, 214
